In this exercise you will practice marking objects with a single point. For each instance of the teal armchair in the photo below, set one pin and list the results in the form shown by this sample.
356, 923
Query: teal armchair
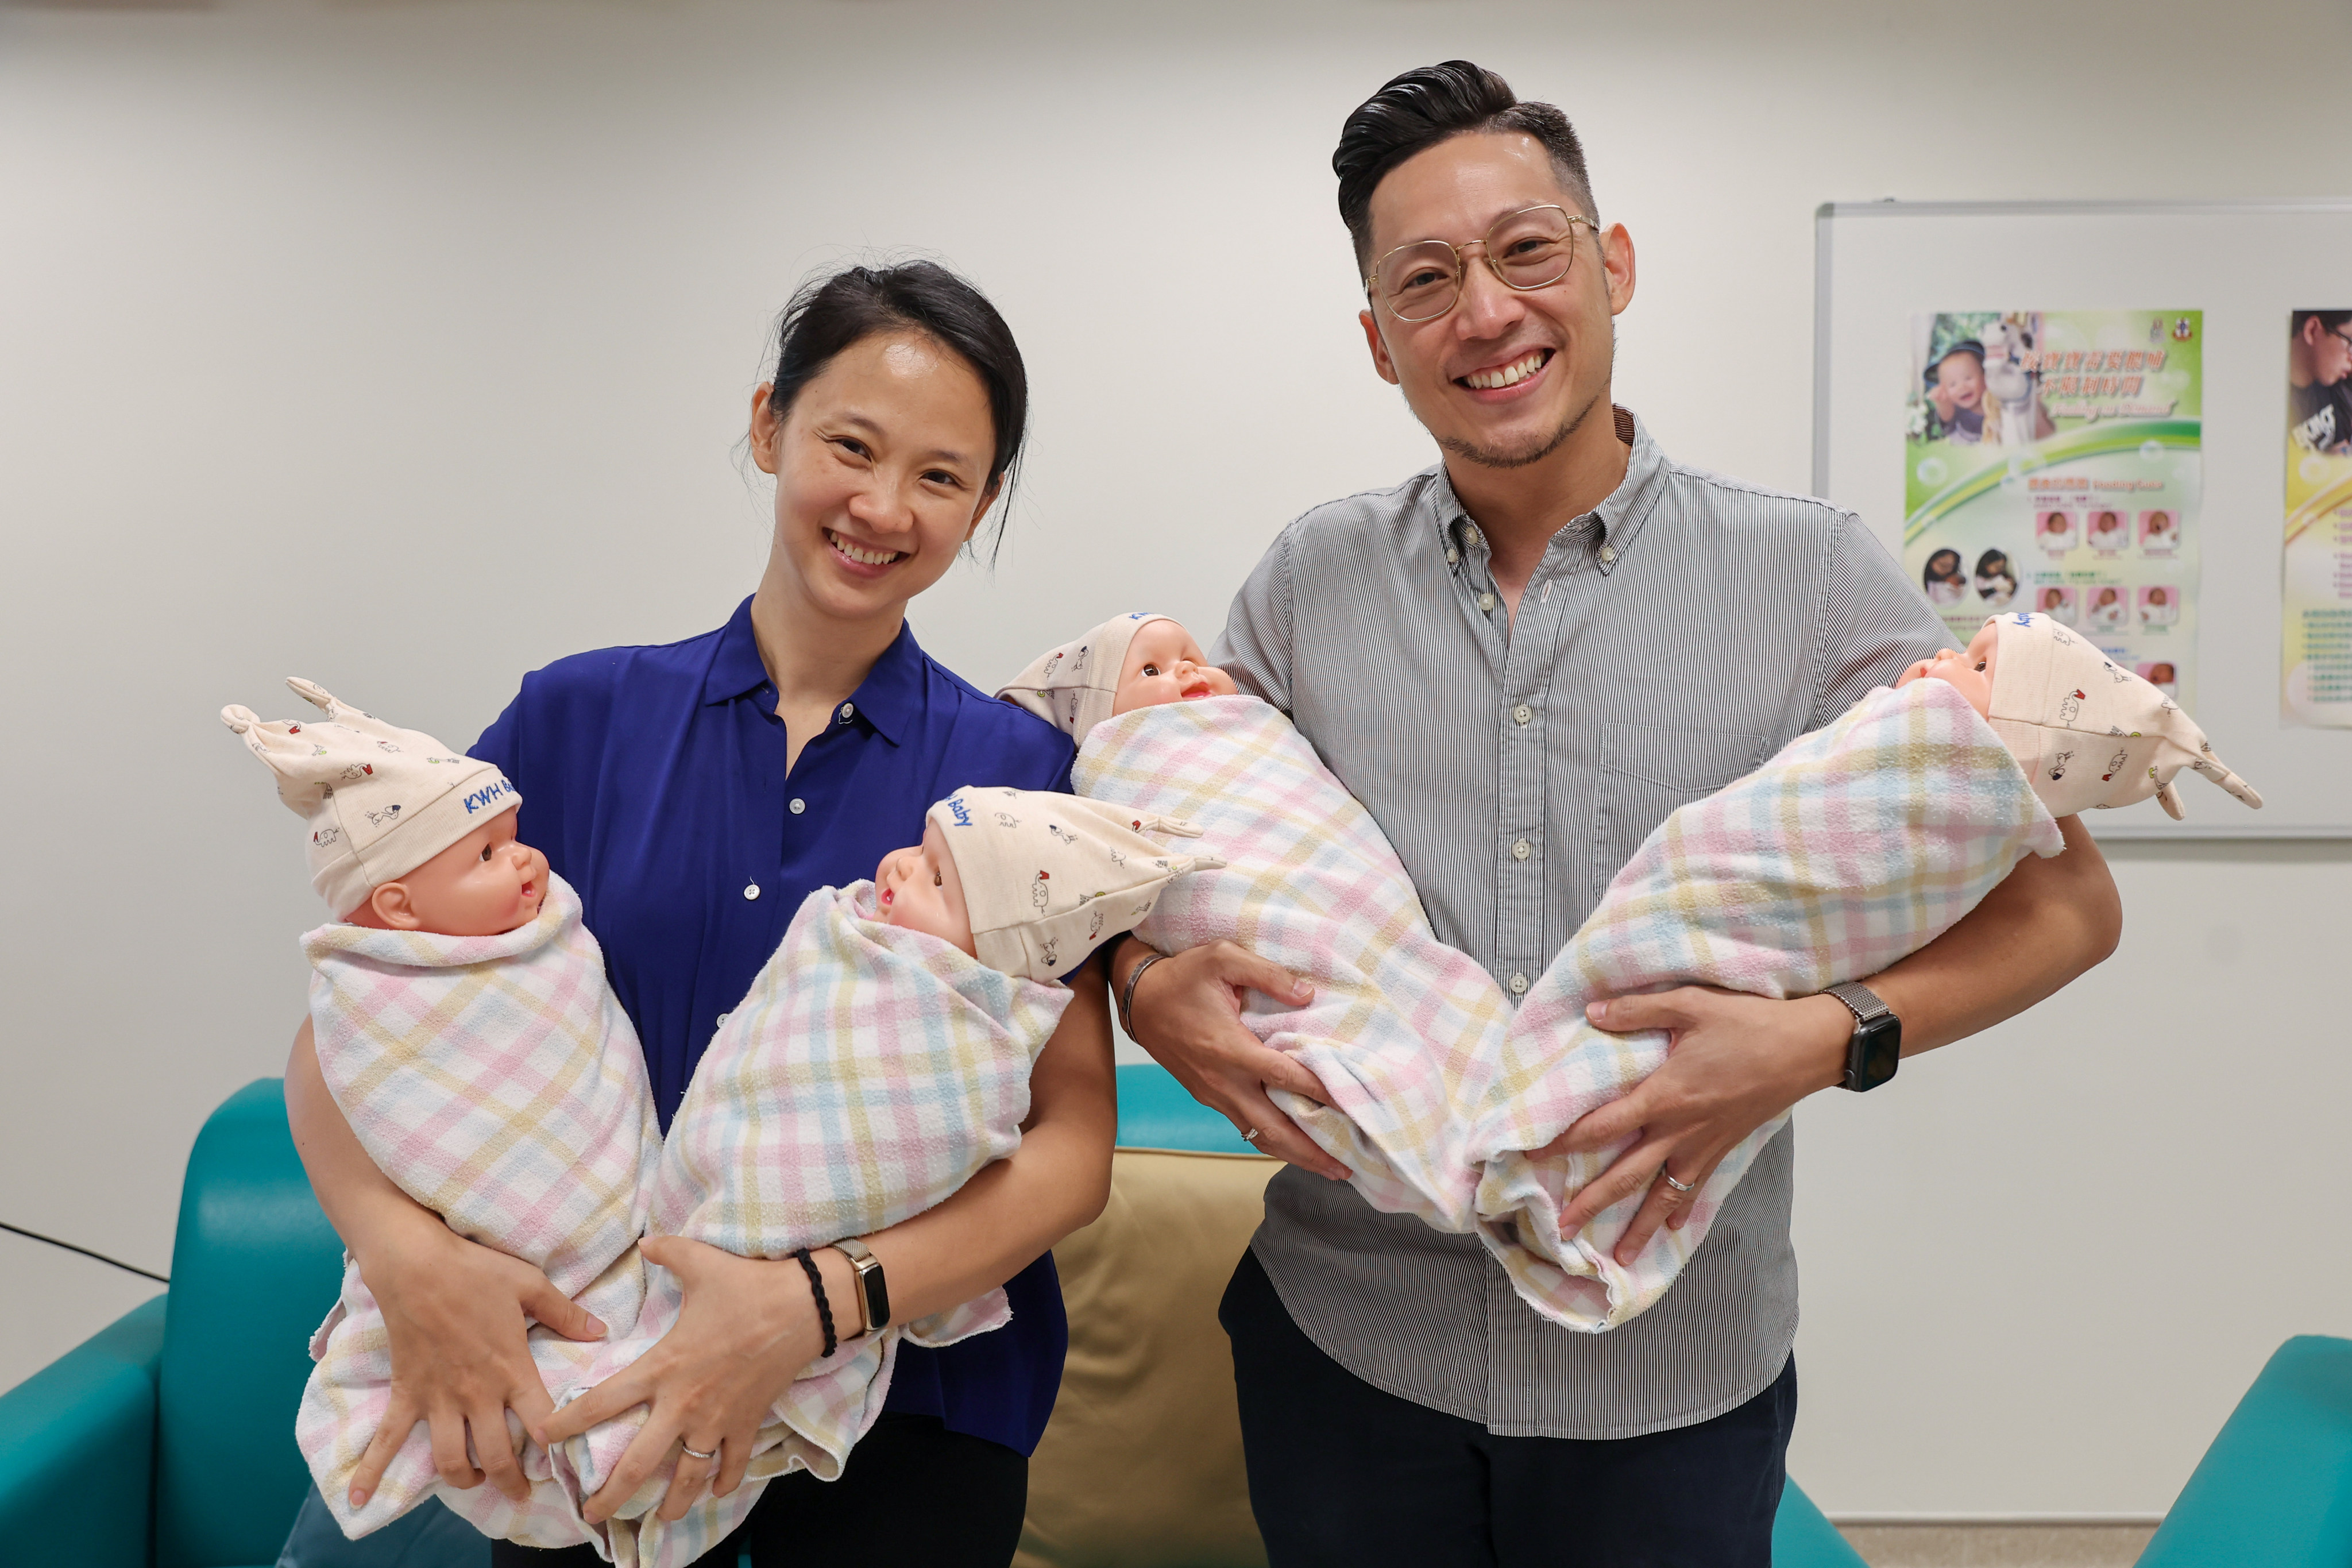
166, 1440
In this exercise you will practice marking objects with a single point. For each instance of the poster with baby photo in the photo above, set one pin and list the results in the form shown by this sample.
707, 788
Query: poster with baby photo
2315, 577
2054, 462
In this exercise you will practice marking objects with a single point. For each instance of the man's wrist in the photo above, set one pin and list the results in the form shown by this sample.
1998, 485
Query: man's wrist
1825, 1063
1144, 961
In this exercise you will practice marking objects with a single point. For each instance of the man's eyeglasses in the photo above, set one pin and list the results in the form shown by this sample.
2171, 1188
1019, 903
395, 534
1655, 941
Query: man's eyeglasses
1530, 248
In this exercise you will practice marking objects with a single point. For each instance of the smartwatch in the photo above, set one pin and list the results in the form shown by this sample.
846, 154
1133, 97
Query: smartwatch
1876, 1048
872, 1290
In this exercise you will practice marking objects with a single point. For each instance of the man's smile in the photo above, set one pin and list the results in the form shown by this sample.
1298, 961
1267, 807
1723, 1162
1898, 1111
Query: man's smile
1497, 378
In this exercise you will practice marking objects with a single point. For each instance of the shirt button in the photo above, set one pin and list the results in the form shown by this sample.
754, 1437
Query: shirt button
1519, 985
1472, 535
1608, 554
723, 1017
848, 712
1522, 849
1522, 713
752, 891
1451, 555
799, 805
1487, 603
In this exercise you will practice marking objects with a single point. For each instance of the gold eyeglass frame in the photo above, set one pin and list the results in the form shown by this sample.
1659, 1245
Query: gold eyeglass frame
1485, 254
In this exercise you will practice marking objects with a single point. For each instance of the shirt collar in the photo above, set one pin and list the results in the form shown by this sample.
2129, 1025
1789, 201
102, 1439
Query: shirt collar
885, 700
1620, 516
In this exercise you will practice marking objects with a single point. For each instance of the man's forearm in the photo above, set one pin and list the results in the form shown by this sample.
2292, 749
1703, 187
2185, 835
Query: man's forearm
2046, 923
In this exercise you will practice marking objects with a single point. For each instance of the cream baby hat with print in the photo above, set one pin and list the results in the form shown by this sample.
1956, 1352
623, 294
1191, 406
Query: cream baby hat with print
379, 801
2087, 731
1073, 686
1049, 878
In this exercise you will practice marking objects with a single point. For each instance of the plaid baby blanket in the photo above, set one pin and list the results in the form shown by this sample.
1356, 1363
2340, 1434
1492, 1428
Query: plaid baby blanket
867, 1075
1855, 846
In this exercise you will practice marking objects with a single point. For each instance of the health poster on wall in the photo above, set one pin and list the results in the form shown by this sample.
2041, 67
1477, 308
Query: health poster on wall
2054, 462
2315, 577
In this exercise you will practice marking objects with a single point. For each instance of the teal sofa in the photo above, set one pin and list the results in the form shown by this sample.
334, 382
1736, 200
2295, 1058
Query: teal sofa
166, 1440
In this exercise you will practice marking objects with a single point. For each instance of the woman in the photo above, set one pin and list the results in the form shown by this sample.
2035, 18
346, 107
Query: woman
693, 794
1942, 579
1996, 584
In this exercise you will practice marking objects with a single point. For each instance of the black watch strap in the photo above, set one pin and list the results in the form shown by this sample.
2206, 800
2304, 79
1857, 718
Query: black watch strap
1875, 1049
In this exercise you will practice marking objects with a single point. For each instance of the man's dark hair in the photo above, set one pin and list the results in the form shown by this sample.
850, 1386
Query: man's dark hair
830, 315
1437, 103
2329, 320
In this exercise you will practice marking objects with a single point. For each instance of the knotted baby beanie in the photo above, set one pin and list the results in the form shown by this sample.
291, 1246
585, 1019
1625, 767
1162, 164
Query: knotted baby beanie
1049, 878
2087, 731
379, 801
1074, 687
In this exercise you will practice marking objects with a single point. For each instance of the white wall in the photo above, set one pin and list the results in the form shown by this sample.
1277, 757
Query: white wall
406, 345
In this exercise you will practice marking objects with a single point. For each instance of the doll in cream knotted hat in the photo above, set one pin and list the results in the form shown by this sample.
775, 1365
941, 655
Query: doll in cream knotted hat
1029, 883
2087, 731
1129, 662
381, 804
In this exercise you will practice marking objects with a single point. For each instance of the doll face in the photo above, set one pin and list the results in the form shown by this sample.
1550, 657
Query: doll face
917, 887
488, 883
1969, 673
1165, 665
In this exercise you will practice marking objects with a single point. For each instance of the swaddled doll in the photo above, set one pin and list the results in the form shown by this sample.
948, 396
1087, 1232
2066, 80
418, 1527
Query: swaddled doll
465, 1026
1906, 812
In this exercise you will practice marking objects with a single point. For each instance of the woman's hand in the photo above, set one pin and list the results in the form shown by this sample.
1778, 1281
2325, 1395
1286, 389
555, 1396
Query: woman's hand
457, 1313
1733, 1063
1187, 1012
748, 1328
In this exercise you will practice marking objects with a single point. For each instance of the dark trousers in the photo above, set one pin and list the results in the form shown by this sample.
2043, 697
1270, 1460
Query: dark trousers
1343, 1474
912, 1494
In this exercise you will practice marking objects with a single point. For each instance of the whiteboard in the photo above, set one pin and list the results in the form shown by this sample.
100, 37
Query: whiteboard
2246, 265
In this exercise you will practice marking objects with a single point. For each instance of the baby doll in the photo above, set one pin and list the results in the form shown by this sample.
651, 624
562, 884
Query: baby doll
1439, 1093
464, 1028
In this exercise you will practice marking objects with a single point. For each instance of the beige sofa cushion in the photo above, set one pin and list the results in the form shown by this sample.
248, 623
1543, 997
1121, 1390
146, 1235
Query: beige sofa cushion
1141, 1465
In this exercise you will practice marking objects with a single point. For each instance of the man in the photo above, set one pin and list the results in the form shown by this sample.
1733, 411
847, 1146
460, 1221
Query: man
1521, 660
2319, 399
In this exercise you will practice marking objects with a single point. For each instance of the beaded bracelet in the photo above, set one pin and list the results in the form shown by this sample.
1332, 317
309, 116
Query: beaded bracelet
823, 1307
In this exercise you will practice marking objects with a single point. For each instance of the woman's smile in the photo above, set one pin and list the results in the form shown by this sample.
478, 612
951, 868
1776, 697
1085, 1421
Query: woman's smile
872, 559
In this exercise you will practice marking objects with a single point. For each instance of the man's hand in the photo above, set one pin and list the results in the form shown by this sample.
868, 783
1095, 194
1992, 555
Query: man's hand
748, 1328
1734, 1062
1187, 1012
457, 1313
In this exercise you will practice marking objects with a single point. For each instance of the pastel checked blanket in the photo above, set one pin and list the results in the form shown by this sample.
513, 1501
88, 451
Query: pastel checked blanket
867, 1075
1855, 846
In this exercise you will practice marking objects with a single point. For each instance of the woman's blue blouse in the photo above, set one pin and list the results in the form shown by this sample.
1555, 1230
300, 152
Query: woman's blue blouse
654, 781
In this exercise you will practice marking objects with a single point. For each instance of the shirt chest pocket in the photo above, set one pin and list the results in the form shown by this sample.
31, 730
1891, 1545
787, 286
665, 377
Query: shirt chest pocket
1645, 772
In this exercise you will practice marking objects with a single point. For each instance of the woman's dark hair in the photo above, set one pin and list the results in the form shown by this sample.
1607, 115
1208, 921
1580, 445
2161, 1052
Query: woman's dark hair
829, 315
1437, 103
1992, 560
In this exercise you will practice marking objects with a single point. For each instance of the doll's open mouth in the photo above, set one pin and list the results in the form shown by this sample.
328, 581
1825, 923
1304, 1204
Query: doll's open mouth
889, 897
1197, 690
